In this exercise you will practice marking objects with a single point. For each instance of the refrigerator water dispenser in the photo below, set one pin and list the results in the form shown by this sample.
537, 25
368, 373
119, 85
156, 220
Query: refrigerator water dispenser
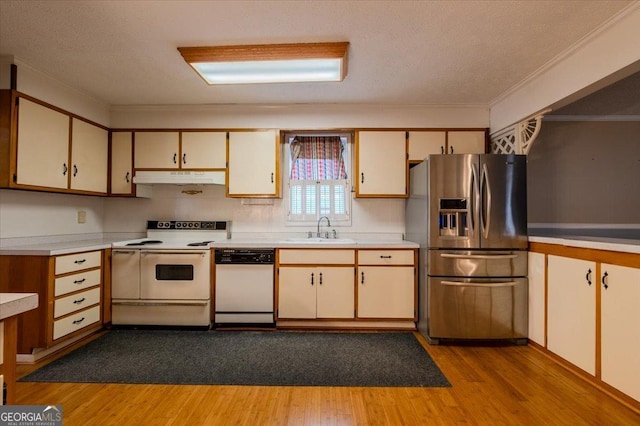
453, 217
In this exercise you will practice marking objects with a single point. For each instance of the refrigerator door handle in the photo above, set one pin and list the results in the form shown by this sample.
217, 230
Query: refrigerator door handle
479, 256
485, 188
484, 284
473, 192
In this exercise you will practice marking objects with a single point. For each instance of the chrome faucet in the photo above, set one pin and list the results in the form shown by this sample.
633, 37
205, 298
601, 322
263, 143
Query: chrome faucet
320, 220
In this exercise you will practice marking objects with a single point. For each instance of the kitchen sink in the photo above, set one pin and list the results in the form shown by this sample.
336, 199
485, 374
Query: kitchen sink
318, 240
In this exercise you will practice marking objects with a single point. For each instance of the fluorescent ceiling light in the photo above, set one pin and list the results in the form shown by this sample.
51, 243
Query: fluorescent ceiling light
270, 63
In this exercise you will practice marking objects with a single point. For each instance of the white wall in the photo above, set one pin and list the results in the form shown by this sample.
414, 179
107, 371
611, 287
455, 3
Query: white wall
583, 69
30, 214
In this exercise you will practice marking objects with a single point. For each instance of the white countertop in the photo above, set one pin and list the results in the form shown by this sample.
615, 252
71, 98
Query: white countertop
56, 248
12, 304
283, 243
592, 242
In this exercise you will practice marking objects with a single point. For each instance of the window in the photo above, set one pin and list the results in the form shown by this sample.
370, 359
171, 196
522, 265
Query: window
318, 177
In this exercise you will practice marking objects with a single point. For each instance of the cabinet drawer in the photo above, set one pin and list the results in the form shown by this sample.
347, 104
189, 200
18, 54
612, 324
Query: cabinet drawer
75, 302
75, 282
317, 257
77, 262
385, 257
75, 322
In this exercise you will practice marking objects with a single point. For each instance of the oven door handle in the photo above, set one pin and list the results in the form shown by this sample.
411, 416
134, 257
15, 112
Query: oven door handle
167, 303
186, 253
486, 284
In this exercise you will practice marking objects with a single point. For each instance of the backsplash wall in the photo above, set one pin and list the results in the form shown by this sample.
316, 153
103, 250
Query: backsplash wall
380, 216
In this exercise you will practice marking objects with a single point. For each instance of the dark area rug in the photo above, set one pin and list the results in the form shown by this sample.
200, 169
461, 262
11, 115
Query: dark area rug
272, 358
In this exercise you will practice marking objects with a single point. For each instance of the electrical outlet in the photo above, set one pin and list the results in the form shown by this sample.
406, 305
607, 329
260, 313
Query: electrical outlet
82, 216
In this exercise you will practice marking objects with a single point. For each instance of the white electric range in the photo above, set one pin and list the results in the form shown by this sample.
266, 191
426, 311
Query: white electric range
165, 278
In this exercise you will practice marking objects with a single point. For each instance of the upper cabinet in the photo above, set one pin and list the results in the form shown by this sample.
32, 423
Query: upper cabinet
423, 143
204, 150
121, 163
55, 151
187, 150
42, 146
157, 150
253, 167
89, 156
381, 164
466, 142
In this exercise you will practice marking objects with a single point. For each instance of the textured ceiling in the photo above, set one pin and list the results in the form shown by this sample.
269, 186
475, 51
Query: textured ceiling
401, 52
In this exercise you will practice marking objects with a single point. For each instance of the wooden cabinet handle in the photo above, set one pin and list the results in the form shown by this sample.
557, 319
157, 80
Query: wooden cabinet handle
605, 280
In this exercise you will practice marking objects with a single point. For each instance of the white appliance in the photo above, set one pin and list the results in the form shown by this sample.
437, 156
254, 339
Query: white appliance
165, 279
244, 287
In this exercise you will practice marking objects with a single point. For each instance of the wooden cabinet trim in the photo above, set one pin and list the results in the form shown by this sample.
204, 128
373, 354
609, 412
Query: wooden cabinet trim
596, 255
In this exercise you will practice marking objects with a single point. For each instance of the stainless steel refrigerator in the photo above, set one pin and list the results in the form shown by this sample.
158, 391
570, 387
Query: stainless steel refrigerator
469, 214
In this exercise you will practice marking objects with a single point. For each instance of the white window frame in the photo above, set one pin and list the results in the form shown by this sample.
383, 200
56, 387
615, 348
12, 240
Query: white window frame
306, 219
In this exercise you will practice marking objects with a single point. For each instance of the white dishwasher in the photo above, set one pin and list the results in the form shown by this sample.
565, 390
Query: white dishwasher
244, 289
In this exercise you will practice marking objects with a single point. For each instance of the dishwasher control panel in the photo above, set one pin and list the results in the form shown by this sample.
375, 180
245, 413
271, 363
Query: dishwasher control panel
230, 256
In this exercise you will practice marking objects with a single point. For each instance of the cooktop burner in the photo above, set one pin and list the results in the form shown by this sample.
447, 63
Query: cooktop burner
200, 244
144, 243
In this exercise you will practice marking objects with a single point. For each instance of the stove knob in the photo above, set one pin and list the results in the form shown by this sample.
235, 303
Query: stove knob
196, 225
190, 224
178, 224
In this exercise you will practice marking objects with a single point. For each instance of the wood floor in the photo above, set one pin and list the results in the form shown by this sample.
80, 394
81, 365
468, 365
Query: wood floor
514, 385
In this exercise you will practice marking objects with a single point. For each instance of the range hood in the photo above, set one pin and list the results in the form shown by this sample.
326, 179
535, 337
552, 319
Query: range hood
180, 178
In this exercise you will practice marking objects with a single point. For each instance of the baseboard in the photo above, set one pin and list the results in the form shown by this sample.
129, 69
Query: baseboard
38, 354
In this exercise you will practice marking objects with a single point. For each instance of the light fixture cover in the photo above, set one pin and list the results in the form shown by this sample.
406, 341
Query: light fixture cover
269, 63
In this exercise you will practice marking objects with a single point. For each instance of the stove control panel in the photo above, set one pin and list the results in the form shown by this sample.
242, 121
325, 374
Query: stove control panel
188, 224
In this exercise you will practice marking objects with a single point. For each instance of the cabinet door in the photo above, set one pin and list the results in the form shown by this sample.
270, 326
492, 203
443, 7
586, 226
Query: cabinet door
121, 163
571, 322
386, 292
89, 157
381, 164
252, 168
335, 292
43, 146
156, 150
204, 150
423, 144
536, 297
466, 142
620, 345
297, 292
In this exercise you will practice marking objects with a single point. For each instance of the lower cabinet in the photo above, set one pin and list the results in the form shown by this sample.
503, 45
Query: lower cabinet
330, 284
572, 311
69, 291
386, 292
316, 292
620, 329
386, 284
592, 311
